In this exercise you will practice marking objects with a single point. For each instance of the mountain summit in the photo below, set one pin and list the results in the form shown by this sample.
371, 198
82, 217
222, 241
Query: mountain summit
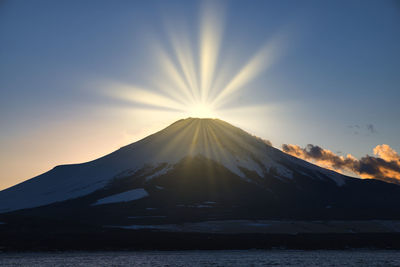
198, 169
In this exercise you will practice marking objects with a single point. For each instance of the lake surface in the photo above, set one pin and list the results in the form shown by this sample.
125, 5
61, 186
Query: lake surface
206, 258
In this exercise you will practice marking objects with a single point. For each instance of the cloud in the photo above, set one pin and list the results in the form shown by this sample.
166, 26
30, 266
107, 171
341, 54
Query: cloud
371, 128
365, 129
385, 165
387, 153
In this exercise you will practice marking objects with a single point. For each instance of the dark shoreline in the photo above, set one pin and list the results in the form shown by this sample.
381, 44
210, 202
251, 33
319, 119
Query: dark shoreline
132, 240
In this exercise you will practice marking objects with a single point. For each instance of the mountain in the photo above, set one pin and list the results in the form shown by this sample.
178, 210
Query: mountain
196, 171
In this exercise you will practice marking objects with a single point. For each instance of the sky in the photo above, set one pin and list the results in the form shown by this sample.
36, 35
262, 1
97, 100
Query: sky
79, 79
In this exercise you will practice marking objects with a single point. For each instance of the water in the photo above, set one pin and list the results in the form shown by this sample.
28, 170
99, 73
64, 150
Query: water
206, 258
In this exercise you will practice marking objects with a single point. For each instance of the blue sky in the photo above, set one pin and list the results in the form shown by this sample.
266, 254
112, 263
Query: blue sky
338, 70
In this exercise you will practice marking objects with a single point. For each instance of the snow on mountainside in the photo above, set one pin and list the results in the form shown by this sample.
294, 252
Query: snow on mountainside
123, 197
214, 139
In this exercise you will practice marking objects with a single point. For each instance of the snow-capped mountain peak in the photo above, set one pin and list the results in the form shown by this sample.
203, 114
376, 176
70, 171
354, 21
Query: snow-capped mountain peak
244, 155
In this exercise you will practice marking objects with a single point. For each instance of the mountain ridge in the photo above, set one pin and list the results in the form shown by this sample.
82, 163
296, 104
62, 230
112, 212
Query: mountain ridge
188, 164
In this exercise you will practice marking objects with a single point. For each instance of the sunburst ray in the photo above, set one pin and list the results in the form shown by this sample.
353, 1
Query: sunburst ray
193, 87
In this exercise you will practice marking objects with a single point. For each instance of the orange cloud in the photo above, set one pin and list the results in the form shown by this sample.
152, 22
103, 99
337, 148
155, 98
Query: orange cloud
387, 153
386, 166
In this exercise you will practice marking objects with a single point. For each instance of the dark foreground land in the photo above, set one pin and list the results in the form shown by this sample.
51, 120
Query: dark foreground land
201, 258
74, 237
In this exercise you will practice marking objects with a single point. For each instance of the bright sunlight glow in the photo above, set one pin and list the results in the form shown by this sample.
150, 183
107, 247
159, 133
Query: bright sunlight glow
203, 110
190, 79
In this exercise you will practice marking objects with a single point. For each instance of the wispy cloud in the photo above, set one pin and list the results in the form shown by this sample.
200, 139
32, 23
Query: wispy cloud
363, 129
371, 128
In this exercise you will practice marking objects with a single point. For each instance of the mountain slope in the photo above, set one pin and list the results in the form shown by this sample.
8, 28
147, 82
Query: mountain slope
198, 169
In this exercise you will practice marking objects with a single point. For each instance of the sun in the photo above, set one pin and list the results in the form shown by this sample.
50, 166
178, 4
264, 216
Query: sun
201, 110
191, 80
